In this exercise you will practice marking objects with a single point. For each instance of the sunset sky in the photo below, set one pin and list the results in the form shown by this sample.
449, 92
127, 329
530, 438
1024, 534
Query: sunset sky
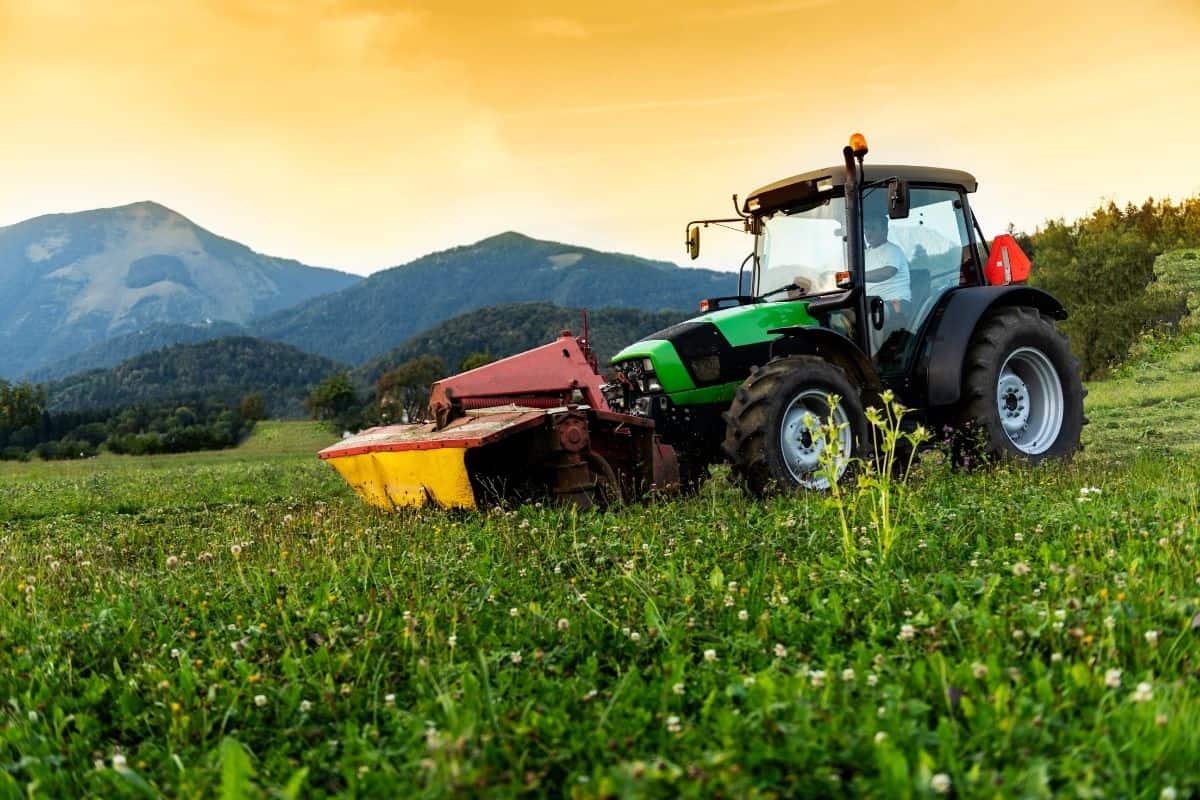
360, 134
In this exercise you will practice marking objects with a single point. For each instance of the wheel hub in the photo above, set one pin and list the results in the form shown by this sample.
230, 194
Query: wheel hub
802, 438
1029, 400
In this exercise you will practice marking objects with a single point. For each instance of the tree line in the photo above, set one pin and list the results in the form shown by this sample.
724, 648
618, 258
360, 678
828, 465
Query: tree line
28, 428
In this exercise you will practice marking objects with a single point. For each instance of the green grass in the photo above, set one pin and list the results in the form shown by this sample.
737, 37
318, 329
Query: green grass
240, 621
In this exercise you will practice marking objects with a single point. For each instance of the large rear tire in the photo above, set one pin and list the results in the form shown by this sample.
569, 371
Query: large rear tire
772, 436
1022, 394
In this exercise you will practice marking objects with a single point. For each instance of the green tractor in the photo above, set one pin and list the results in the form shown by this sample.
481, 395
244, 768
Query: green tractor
863, 278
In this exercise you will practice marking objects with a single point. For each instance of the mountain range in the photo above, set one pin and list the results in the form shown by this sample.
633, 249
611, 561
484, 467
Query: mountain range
69, 281
88, 290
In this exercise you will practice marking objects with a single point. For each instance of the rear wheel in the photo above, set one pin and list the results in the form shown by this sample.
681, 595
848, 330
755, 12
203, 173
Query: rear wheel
1021, 389
774, 436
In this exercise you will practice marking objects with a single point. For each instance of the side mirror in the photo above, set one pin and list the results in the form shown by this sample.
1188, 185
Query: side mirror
693, 242
898, 199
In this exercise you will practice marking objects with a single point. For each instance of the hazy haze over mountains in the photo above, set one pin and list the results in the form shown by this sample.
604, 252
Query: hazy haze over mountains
68, 281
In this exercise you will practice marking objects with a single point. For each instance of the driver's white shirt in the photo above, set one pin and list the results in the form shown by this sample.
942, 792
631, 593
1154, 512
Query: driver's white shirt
897, 287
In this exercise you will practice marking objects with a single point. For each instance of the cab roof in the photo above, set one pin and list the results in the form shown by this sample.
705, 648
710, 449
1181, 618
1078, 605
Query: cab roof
797, 189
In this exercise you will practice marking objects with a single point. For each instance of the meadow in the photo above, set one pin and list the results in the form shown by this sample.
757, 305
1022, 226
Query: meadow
238, 623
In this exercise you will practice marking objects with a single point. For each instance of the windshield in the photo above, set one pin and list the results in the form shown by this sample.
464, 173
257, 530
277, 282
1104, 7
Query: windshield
803, 249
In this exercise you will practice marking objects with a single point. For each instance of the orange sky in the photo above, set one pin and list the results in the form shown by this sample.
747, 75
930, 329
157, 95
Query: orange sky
363, 133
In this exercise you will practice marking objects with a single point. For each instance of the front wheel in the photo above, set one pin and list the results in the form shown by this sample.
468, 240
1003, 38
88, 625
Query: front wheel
774, 437
1021, 388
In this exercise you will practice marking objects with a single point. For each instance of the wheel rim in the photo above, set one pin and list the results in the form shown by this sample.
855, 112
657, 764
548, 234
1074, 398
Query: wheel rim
1029, 397
802, 441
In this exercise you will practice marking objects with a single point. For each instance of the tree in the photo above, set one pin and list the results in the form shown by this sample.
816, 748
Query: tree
21, 405
334, 400
403, 392
252, 408
475, 359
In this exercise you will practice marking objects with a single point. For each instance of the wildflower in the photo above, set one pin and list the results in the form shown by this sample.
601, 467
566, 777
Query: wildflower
816, 677
389, 700
1168, 793
236, 550
260, 700
848, 674
979, 670
1018, 634
710, 655
1143, 693
635, 637
880, 736
907, 633
677, 688
563, 624
743, 615
118, 761
452, 640
673, 724
305, 706
1021, 569
1112, 678
33, 716
780, 650
940, 783
515, 657
1160, 720
175, 652
1018, 537
748, 680
1151, 638
172, 562
1056, 658
512, 612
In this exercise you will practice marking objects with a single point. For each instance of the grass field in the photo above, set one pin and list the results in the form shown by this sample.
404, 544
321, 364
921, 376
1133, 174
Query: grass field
237, 622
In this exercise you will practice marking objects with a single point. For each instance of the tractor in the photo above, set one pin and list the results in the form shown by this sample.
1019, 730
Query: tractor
863, 279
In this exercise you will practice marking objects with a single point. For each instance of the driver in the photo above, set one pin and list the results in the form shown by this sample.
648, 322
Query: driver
887, 268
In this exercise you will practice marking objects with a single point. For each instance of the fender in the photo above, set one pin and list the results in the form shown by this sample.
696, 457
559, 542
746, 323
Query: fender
833, 347
953, 326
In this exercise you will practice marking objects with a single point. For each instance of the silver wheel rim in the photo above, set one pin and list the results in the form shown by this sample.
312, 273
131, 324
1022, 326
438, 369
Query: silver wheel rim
1029, 397
802, 441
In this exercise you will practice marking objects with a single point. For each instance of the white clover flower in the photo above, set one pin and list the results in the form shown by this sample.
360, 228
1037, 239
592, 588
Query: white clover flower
1021, 569
515, 657
710, 655
235, 550
748, 680
880, 736
848, 674
118, 761
175, 652
816, 677
872, 679
1168, 793
635, 637
33, 715
1018, 537
907, 633
743, 615
514, 611
1151, 638
673, 724
1143, 694
389, 700
260, 700
677, 688
172, 562
780, 650
563, 624
979, 670
452, 641
1112, 678
940, 783
305, 706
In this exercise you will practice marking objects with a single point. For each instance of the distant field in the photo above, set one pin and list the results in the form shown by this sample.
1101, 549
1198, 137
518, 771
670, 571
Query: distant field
237, 621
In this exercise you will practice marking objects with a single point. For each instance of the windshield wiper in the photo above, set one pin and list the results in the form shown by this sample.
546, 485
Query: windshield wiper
791, 287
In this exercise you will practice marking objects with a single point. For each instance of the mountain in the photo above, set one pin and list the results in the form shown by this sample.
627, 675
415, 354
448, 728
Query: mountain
111, 352
390, 306
69, 281
225, 369
507, 329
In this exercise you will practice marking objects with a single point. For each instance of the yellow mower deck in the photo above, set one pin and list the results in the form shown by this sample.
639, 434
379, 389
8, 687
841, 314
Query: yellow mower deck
410, 466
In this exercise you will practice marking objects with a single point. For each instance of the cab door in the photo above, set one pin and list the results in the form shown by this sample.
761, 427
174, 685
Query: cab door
931, 252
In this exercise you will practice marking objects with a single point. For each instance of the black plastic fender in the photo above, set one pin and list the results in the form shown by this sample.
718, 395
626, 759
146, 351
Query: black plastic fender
947, 340
833, 347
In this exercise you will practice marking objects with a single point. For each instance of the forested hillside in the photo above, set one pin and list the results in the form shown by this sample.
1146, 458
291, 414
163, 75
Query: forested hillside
222, 369
500, 331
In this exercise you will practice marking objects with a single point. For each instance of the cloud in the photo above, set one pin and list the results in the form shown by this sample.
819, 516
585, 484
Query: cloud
557, 28
761, 9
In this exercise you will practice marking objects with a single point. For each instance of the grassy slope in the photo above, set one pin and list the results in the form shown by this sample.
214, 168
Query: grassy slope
329, 608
